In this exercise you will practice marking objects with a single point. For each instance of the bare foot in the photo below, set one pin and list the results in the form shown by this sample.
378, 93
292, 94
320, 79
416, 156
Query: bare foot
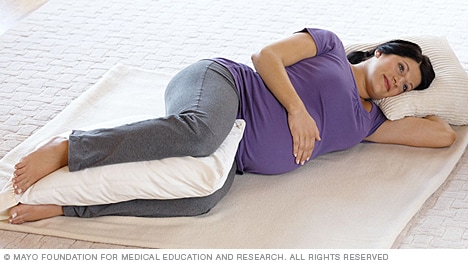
28, 213
39, 163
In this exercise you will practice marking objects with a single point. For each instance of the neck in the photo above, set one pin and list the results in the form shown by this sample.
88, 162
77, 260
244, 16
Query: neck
359, 71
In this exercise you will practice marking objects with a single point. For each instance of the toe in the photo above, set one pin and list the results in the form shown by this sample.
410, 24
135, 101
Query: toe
19, 178
15, 218
18, 189
20, 164
20, 184
21, 181
17, 185
19, 172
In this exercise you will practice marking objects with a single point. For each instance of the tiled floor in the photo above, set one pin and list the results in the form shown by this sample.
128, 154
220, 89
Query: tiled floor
13, 11
64, 47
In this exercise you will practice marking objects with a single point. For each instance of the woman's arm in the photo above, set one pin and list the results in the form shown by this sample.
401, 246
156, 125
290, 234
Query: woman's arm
430, 131
270, 63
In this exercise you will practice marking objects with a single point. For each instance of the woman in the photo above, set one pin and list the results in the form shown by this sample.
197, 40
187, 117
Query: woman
305, 99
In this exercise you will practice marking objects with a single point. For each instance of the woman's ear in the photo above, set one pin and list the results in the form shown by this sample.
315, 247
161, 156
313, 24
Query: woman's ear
377, 53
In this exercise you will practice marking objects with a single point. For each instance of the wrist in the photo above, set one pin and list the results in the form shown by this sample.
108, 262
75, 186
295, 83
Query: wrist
297, 108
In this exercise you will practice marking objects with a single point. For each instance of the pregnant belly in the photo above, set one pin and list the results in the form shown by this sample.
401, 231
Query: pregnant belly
269, 154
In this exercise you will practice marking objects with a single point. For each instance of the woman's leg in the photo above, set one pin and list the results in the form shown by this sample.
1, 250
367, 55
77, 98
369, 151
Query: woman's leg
156, 208
201, 103
201, 107
142, 208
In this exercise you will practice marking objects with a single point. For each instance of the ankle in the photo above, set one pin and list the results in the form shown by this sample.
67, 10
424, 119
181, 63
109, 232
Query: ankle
62, 147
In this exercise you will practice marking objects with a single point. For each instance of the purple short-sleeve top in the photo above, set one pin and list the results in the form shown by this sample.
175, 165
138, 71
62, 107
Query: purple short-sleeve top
327, 87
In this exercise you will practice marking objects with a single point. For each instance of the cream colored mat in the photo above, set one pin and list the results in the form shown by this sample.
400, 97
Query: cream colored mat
359, 198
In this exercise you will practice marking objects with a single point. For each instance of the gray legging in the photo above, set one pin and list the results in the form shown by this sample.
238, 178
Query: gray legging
201, 107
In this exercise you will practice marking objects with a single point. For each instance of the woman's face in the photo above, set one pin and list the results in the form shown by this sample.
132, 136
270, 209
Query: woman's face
390, 75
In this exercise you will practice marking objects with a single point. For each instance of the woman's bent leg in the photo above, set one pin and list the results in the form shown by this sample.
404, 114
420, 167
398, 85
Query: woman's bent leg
201, 107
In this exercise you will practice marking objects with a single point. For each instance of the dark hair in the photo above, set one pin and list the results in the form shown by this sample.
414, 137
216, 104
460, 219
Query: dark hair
401, 48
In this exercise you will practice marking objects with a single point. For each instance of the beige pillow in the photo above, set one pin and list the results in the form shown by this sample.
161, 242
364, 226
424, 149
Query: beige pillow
447, 97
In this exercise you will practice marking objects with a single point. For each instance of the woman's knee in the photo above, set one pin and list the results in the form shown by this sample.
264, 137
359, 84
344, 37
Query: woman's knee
205, 144
205, 139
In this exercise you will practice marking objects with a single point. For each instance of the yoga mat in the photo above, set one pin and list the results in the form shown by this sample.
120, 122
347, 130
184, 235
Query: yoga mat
359, 198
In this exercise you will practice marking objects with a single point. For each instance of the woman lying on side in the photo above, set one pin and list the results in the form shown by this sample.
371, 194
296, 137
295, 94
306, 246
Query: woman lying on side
305, 99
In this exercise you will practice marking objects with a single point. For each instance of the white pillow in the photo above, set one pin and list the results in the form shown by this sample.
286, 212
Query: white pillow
447, 97
169, 178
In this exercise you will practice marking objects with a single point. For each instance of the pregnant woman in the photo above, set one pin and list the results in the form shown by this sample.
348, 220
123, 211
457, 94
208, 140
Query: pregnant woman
304, 98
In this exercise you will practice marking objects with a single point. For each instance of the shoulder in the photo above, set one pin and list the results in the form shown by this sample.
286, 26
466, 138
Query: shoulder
325, 40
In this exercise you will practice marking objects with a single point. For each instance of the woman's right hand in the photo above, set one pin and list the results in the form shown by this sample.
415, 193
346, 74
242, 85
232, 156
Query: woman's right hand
304, 133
